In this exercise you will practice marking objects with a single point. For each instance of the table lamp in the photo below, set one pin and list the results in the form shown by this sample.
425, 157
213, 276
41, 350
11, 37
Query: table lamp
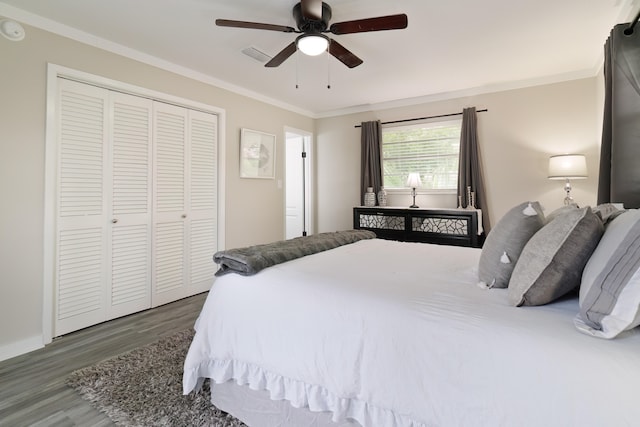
414, 181
567, 167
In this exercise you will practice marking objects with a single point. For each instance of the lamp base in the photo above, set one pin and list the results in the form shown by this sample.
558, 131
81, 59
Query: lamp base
568, 200
413, 193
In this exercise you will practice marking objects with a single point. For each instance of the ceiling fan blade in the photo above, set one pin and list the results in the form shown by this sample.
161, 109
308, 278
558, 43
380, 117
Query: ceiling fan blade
311, 9
381, 23
254, 25
343, 55
282, 56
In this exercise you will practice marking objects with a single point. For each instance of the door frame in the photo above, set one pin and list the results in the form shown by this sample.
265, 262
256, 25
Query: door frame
54, 72
309, 199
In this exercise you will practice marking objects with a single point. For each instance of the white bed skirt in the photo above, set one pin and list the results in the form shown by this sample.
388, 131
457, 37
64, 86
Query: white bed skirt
256, 409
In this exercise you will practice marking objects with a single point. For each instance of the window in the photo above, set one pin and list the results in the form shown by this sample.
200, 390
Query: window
431, 149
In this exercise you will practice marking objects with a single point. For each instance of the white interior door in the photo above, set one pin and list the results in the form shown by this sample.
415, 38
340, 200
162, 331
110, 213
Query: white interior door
202, 216
104, 206
135, 222
129, 196
170, 207
185, 198
297, 184
81, 207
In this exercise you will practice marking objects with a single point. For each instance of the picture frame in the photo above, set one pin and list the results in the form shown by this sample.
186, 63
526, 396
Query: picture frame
257, 154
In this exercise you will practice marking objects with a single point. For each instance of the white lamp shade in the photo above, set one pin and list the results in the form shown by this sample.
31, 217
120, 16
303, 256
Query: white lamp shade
568, 166
312, 44
413, 180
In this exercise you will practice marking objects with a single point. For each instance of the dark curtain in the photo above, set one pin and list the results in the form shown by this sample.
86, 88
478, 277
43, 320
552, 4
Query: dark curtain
469, 166
371, 175
619, 180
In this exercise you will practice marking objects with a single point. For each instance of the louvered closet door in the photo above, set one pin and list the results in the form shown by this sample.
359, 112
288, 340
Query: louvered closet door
81, 208
170, 206
136, 204
185, 202
203, 200
129, 284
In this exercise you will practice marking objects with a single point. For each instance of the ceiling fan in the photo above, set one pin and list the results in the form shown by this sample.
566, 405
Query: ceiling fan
312, 19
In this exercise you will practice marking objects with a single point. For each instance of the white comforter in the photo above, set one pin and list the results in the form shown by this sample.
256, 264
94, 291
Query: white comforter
398, 334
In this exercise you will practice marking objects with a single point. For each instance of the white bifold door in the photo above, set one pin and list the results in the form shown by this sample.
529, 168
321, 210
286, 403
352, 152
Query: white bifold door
136, 204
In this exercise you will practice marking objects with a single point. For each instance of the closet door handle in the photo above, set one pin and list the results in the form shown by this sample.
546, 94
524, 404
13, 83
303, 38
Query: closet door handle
114, 220
184, 216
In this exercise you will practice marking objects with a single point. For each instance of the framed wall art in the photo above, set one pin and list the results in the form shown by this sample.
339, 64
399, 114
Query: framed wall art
257, 154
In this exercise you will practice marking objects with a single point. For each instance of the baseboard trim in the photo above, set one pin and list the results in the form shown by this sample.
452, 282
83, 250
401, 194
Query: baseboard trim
20, 347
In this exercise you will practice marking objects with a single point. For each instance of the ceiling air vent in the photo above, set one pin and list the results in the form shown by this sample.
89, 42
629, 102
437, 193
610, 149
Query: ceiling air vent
256, 54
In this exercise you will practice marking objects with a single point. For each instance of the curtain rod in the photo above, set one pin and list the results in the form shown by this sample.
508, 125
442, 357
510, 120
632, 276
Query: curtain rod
629, 30
424, 118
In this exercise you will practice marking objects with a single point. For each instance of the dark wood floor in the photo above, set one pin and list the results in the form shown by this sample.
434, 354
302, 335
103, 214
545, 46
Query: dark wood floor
32, 389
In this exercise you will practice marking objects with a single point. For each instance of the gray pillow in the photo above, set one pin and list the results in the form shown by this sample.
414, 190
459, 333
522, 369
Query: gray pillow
551, 263
607, 212
505, 242
560, 211
610, 288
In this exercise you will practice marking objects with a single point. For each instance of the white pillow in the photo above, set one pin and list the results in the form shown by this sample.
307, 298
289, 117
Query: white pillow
610, 288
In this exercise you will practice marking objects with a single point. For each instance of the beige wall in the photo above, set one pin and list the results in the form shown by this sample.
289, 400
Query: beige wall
517, 135
22, 154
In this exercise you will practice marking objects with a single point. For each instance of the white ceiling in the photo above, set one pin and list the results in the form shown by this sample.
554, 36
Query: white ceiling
450, 48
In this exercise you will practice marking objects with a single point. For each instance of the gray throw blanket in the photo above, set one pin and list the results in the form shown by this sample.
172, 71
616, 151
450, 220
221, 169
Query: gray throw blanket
250, 260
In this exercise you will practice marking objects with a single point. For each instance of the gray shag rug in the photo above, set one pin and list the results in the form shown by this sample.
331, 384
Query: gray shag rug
144, 388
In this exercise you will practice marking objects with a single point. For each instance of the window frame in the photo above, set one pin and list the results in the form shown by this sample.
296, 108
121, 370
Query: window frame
430, 123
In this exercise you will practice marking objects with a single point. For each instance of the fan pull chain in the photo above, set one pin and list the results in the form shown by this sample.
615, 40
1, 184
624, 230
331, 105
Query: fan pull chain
328, 70
297, 73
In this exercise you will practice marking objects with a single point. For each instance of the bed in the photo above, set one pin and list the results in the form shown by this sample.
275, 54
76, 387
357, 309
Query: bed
386, 333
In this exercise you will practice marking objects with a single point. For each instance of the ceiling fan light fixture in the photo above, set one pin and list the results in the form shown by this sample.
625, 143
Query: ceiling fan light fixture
312, 20
312, 44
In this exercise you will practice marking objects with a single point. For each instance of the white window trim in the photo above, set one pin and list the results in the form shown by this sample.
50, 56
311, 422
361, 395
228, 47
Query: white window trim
403, 191
421, 191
